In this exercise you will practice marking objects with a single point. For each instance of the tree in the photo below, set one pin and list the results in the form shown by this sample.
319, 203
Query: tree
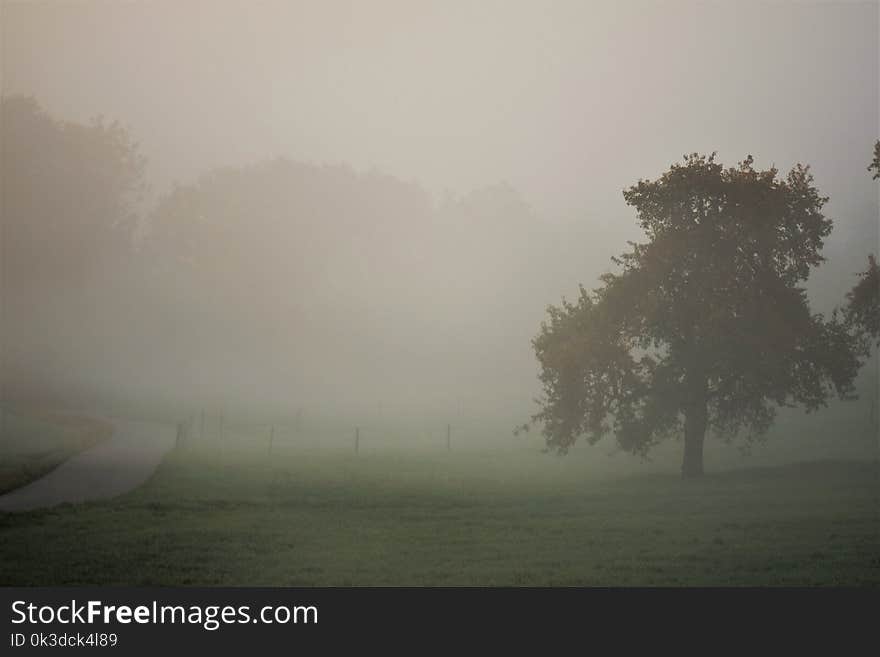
67, 198
66, 193
875, 163
328, 274
707, 326
863, 307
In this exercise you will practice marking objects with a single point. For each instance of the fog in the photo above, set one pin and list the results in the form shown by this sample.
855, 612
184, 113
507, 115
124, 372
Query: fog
361, 206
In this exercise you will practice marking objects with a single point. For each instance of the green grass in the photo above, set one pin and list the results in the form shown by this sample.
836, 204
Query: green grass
502, 517
34, 443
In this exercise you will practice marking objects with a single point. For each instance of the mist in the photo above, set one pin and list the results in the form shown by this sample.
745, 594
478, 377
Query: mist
347, 206
439, 293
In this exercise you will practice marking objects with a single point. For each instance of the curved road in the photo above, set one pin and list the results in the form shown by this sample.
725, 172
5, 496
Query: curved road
114, 466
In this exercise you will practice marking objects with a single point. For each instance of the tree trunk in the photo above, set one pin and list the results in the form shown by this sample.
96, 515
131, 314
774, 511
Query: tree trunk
696, 417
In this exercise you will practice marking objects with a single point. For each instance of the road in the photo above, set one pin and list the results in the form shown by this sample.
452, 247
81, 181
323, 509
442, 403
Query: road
114, 466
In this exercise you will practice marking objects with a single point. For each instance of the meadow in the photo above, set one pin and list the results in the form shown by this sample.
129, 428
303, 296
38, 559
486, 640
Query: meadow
483, 515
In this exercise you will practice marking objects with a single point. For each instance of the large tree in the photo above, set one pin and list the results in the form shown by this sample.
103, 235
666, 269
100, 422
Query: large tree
707, 325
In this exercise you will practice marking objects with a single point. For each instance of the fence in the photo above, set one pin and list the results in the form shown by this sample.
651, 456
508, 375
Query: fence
214, 431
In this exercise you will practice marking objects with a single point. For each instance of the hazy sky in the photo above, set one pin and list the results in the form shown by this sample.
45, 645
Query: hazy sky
567, 101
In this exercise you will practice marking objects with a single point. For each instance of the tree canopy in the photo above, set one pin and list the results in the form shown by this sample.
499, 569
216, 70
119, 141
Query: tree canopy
68, 193
875, 163
863, 307
322, 276
706, 325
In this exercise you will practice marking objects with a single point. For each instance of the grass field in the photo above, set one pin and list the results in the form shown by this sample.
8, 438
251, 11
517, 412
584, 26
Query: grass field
516, 517
33, 443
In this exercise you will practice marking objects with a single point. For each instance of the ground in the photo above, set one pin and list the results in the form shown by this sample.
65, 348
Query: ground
327, 517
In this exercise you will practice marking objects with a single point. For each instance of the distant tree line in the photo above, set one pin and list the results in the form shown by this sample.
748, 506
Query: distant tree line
279, 275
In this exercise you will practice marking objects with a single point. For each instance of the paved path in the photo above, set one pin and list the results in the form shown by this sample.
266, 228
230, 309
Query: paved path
110, 468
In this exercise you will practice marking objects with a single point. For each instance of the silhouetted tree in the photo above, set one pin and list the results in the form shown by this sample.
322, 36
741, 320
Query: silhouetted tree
875, 164
706, 326
863, 308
